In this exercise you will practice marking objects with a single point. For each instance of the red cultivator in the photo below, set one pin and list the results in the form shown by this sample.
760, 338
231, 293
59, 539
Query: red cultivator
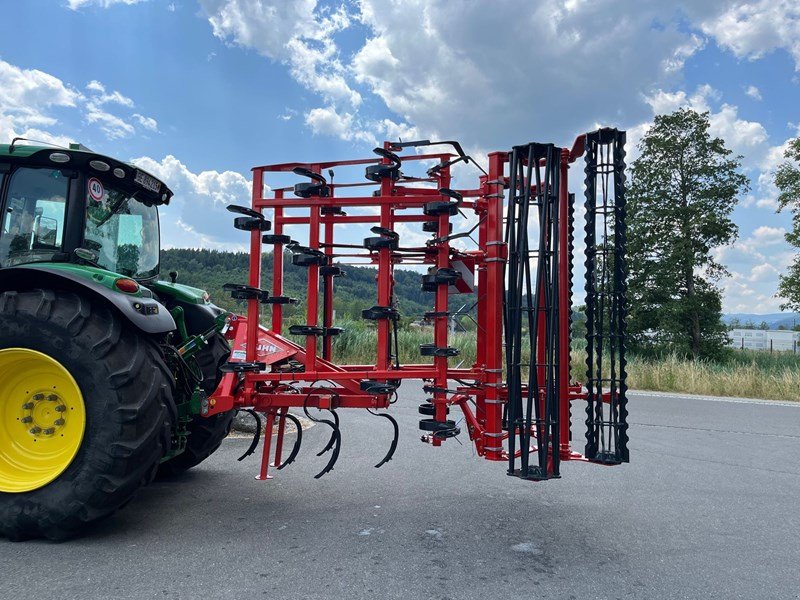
515, 399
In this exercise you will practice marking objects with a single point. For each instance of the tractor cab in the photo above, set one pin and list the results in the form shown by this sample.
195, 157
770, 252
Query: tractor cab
61, 205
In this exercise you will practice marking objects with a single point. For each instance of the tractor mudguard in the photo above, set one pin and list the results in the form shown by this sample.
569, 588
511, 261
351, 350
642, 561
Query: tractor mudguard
145, 314
199, 313
200, 317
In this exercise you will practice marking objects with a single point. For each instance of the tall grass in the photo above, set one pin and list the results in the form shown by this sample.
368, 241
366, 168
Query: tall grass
743, 373
746, 374
357, 343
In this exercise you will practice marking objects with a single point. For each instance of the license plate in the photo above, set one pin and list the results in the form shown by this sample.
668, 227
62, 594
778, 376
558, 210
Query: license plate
147, 182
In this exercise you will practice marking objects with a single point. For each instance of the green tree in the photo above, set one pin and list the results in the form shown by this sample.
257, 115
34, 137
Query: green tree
787, 179
684, 186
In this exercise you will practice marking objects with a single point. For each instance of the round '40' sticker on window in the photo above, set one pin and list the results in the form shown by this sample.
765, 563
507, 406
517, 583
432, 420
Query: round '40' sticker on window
96, 190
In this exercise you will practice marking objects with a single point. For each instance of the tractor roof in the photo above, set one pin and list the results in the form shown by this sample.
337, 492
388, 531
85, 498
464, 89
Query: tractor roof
149, 188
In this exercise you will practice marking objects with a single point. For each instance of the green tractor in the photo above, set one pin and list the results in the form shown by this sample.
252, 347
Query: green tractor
104, 369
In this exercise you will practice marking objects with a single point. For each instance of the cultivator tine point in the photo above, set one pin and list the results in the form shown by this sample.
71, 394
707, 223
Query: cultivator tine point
395, 437
337, 438
254, 444
332, 439
334, 443
296, 448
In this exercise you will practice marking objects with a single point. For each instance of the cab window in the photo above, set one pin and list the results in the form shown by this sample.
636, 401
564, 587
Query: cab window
33, 219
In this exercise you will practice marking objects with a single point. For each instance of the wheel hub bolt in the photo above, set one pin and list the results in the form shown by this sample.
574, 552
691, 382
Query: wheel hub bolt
28, 406
38, 397
27, 419
61, 408
58, 422
52, 398
36, 430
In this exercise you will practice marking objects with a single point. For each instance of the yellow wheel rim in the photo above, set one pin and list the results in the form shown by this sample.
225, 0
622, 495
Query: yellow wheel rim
42, 419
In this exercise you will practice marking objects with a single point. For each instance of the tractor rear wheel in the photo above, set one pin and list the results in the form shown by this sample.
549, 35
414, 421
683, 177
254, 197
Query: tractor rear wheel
205, 433
86, 411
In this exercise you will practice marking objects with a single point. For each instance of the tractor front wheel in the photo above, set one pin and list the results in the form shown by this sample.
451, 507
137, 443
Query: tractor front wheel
86, 410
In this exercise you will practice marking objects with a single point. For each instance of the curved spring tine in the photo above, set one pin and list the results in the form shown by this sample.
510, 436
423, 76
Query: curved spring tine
296, 448
331, 441
337, 436
393, 447
256, 437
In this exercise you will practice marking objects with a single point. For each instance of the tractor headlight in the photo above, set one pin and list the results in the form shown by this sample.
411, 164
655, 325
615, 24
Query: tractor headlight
59, 157
99, 165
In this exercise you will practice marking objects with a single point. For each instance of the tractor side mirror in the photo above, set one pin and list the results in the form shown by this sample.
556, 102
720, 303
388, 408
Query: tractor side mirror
173, 276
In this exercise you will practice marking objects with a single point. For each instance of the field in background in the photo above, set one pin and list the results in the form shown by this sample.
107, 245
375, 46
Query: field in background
744, 374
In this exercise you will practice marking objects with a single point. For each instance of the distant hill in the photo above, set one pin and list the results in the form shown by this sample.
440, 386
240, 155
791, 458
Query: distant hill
211, 269
773, 320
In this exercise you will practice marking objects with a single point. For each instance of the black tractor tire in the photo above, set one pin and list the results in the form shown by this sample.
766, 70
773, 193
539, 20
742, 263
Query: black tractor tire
205, 433
127, 391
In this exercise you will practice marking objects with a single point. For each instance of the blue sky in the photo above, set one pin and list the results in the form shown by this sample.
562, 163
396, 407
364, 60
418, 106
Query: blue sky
199, 91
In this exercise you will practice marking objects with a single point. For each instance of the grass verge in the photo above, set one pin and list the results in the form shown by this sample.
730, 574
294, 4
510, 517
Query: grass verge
745, 373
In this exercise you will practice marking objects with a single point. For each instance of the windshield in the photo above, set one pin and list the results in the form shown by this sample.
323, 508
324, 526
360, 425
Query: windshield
122, 231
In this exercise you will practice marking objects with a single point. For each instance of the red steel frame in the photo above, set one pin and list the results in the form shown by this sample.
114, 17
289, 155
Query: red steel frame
274, 391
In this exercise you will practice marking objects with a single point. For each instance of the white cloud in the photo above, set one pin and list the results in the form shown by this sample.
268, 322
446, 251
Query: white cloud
753, 92
744, 137
478, 74
77, 4
27, 101
196, 216
30, 91
675, 62
265, 26
753, 29
97, 111
147, 122
100, 96
763, 272
440, 72
740, 135
30, 97
666, 102
113, 126
771, 159
294, 33
328, 121
755, 263
396, 131
768, 236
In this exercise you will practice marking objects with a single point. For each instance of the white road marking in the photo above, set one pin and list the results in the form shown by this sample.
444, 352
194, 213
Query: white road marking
715, 398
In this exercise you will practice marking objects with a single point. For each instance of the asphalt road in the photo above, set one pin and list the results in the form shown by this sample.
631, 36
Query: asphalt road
708, 508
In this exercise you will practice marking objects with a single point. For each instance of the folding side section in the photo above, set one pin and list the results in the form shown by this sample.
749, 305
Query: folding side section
531, 312
606, 410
